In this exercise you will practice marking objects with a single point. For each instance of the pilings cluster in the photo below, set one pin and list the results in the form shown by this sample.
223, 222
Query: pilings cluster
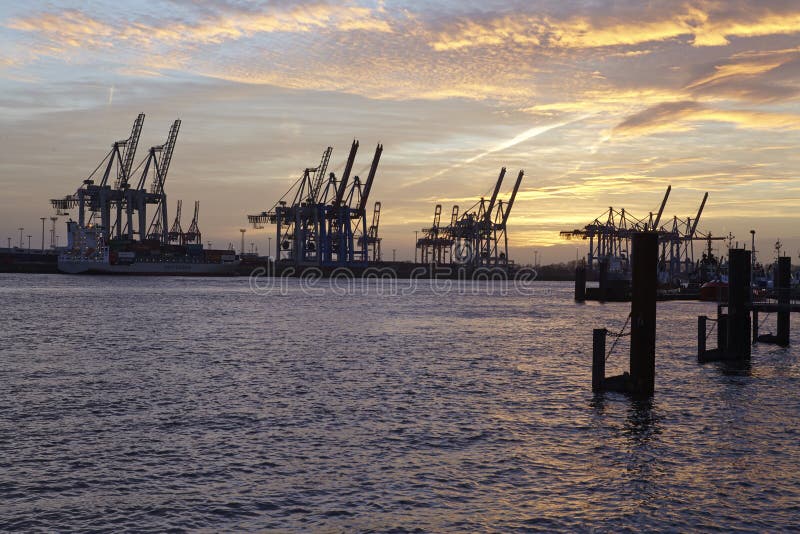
783, 278
738, 323
736, 329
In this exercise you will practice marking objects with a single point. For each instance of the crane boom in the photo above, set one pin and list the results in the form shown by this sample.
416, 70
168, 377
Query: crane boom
661, 209
346, 175
371, 178
513, 196
376, 220
162, 167
193, 235
699, 213
319, 176
488, 215
130, 152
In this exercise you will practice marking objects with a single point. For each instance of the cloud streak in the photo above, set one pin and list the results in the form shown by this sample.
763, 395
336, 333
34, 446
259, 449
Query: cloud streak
681, 116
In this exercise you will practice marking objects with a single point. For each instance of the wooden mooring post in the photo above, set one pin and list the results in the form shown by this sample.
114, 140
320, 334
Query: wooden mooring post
733, 328
644, 285
701, 337
598, 358
580, 283
602, 280
783, 288
784, 298
739, 302
755, 325
640, 380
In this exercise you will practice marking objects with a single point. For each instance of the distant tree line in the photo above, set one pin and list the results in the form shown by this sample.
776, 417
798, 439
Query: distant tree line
556, 271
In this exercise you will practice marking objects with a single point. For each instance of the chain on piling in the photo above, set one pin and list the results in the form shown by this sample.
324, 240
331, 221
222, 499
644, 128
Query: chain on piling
618, 335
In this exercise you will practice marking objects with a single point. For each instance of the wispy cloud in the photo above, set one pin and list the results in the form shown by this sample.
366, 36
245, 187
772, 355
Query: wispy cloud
77, 29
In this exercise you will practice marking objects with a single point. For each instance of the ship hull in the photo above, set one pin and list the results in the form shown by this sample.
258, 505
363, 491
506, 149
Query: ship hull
148, 269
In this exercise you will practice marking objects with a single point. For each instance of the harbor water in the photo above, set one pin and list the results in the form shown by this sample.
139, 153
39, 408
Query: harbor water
150, 404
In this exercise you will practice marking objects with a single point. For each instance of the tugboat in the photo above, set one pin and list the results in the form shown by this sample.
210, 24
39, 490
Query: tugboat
715, 291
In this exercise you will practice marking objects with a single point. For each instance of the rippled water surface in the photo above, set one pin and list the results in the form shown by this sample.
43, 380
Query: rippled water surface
149, 404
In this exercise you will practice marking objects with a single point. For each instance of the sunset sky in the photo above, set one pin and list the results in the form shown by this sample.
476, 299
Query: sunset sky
603, 103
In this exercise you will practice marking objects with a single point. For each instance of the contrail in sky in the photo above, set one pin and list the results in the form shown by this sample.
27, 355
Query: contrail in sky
521, 138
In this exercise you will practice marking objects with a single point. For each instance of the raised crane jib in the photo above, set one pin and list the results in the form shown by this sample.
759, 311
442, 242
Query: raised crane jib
130, 153
661, 209
513, 196
346, 175
176, 229
488, 214
699, 213
371, 178
454, 216
316, 185
162, 165
376, 220
193, 234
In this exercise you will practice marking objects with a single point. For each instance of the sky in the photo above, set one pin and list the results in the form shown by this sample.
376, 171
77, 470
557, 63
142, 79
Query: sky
601, 102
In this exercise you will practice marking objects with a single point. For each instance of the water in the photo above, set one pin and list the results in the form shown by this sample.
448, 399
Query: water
149, 404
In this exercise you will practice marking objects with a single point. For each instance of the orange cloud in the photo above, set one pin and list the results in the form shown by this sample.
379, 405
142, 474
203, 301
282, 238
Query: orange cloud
722, 72
73, 28
67, 29
703, 26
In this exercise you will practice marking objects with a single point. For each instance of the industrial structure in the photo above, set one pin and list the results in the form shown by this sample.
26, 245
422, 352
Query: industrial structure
115, 233
610, 236
325, 222
475, 238
102, 199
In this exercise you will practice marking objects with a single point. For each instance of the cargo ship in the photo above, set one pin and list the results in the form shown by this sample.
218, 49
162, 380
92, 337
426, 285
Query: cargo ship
25, 260
88, 253
112, 235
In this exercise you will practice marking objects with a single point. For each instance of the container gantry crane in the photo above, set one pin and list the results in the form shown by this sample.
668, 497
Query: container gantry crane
433, 244
176, 232
609, 240
157, 195
478, 237
325, 222
373, 239
193, 234
98, 199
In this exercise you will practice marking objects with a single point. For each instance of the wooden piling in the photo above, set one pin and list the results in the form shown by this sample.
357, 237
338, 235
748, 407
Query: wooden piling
739, 303
603, 279
701, 337
722, 334
784, 298
598, 359
755, 325
644, 280
580, 283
